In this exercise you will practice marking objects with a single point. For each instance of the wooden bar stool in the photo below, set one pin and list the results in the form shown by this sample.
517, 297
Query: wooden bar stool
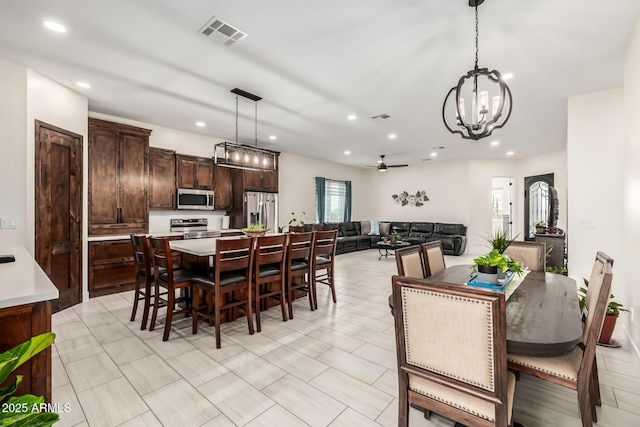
324, 247
269, 267
299, 260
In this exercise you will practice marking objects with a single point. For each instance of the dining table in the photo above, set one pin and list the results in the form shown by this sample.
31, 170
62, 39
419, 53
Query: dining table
542, 313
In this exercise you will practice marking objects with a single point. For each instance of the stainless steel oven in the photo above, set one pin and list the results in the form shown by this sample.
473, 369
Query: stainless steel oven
195, 199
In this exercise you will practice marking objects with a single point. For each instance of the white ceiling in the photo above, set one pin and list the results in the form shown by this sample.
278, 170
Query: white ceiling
316, 62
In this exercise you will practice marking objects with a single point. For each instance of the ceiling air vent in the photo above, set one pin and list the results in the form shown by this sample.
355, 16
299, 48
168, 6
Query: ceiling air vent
221, 31
381, 116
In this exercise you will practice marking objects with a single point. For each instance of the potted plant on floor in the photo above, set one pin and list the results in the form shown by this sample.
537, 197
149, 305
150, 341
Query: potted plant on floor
613, 311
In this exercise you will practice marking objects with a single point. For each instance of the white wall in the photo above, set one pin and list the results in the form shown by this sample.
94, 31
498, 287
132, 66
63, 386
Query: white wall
627, 288
297, 187
13, 162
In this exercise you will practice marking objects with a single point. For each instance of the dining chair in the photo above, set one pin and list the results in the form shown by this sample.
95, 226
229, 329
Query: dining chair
296, 229
410, 262
575, 370
433, 255
173, 280
532, 255
144, 277
269, 269
324, 248
228, 286
299, 260
451, 352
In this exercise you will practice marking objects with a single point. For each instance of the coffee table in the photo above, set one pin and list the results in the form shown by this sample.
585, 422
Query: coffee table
389, 246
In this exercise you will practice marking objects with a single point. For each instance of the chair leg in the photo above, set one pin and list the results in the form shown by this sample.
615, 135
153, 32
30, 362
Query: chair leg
403, 408
217, 323
282, 302
249, 305
310, 293
596, 384
331, 284
136, 298
147, 305
313, 282
170, 307
586, 409
289, 293
156, 303
257, 306
195, 306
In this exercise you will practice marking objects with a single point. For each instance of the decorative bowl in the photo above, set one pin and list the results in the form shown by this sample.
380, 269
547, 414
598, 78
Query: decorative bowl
255, 233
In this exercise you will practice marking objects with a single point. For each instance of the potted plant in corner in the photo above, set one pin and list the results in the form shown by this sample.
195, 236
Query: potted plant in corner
613, 311
541, 227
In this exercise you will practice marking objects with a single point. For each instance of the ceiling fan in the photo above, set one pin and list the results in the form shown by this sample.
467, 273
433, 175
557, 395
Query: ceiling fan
382, 166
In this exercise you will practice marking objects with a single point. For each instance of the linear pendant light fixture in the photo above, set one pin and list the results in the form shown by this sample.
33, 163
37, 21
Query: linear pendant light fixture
479, 119
244, 156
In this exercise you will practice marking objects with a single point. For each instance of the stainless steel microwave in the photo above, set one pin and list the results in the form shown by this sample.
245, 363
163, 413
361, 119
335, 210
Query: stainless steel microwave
195, 199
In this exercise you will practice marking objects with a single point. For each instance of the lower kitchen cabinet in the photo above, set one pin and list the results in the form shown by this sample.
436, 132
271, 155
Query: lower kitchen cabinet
111, 267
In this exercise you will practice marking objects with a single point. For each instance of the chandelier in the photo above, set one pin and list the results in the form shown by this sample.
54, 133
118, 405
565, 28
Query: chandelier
244, 156
479, 117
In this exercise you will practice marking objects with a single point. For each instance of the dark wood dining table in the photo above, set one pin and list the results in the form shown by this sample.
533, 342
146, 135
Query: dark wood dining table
543, 317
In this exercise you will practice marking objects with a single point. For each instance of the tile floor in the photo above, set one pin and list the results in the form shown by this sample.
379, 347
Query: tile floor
332, 367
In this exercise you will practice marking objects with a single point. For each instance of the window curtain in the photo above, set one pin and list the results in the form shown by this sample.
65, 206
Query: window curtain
320, 198
347, 201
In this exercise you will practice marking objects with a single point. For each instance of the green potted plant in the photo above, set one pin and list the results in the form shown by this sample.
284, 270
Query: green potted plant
541, 227
613, 311
395, 237
255, 230
23, 410
499, 240
492, 264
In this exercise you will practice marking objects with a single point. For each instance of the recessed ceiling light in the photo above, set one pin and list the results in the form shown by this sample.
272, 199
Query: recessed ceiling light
352, 117
434, 154
347, 152
201, 124
54, 26
507, 76
494, 143
392, 136
273, 137
83, 84
510, 153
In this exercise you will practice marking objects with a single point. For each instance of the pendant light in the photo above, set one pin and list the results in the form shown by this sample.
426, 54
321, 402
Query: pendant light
477, 118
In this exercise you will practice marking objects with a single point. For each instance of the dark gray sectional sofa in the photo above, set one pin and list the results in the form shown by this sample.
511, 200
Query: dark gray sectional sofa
353, 235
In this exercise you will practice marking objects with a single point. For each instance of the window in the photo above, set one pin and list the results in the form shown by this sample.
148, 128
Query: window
333, 200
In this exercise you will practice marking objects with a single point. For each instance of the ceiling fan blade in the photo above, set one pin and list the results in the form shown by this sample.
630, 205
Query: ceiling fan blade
397, 166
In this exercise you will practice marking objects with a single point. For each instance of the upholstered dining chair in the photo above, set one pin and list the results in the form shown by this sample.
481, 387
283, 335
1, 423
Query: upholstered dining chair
228, 286
532, 255
143, 277
451, 352
269, 269
324, 248
433, 257
410, 262
575, 370
173, 280
299, 260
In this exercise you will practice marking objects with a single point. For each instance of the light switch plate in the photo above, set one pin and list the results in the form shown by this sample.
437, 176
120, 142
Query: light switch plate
9, 223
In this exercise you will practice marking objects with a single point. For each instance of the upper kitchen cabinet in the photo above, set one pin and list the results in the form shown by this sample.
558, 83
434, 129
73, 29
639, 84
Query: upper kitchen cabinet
118, 178
194, 172
223, 188
260, 180
162, 178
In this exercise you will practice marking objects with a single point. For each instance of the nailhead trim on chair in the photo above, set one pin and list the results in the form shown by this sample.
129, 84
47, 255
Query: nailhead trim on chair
491, 385
455, 405
541, 369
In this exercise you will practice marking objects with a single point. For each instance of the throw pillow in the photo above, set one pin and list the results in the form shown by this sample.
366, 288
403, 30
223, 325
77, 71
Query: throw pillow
375, 228
385, 228
365, 228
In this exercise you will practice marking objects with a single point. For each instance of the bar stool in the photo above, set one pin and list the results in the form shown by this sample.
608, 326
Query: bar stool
299, 260
143, 275
269, 267
324, 248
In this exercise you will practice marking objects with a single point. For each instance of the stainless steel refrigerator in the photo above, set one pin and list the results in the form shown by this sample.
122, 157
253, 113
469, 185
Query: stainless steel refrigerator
261, 208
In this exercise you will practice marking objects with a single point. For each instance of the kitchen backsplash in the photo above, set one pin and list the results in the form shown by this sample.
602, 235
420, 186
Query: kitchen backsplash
159, 221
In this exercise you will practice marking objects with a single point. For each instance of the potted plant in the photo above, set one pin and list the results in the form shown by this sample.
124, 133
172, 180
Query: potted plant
499, 240
541, 227
490, 265
23, 410
611, 316
395, 237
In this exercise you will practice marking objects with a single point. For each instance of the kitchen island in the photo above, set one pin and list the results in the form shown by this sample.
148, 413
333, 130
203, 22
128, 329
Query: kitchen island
25, 311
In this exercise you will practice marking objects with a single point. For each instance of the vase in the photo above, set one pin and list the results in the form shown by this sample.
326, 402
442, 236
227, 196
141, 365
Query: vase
607, 328
488, 273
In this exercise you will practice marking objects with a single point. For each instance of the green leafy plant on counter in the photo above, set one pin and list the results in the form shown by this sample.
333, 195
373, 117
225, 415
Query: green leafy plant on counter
23, 410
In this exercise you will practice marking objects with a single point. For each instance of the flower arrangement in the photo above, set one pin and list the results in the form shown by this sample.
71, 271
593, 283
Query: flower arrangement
294, 220
417, 199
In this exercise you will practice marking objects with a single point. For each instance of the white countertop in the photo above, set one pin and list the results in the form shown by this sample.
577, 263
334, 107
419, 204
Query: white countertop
23, 281
154, 234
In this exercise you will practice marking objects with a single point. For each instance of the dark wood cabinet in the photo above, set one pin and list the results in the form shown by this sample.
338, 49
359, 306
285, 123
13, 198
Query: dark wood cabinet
270, 181
556, 258
223, 188
118, 178
162, 178
194, 172
111, 267
258, 180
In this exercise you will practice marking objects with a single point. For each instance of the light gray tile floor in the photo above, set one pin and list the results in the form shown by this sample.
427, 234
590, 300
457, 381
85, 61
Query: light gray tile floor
331, 367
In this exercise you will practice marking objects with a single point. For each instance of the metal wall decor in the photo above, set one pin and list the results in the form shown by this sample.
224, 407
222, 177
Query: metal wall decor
417, 199
245, 156
485, 114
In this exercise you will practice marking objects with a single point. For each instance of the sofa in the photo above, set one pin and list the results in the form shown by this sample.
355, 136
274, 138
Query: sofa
355, 235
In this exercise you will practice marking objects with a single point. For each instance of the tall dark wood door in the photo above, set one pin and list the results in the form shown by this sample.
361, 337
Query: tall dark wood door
58, 210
